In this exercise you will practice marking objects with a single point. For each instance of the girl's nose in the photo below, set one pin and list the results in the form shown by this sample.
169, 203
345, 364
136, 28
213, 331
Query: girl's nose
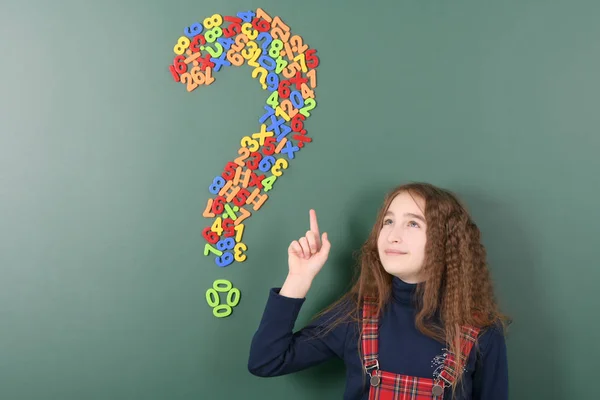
395, 236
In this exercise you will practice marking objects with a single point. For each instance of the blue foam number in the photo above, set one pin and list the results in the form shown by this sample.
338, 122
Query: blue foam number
219, 62
246, 16
279, 127
193, 30
217, 184
224, 260
226, 42
270, 112
272, 81
276, 124
267, 62
266, 163
226, 244
289, 149
296, 99
266, 36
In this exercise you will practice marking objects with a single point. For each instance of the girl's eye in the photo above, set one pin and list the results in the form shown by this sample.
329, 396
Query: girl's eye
413, 223
386, 221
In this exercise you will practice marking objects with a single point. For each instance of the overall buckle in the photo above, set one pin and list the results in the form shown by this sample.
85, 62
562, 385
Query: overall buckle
375, 379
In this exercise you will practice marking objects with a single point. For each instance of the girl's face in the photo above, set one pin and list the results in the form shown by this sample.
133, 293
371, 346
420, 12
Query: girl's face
401, 241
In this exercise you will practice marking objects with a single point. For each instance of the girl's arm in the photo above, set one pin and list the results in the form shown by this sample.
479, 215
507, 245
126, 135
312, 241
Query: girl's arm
276, 350
490, 378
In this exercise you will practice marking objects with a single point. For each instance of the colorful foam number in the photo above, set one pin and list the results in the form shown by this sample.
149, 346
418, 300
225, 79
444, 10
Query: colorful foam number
213, 298
285, 67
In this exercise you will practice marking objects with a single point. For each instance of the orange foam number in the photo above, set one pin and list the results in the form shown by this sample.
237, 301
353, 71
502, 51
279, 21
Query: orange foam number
285, 67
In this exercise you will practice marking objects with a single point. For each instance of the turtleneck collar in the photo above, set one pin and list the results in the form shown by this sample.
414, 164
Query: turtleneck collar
403, 292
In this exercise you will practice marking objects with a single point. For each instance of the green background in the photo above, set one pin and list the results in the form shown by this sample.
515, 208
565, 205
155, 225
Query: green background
105, 164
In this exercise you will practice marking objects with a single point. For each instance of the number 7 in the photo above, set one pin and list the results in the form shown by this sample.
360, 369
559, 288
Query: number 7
302, 59
207, 212
208, 249
260, 13
278, 22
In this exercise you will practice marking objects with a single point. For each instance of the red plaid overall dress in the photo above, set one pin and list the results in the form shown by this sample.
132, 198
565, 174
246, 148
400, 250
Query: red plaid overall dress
390, 386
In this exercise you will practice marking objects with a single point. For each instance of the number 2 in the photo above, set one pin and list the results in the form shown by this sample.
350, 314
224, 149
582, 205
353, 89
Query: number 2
244, 154
309, 105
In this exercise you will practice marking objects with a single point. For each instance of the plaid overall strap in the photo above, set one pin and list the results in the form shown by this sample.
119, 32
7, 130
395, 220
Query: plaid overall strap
390, 386
369, 337
386, 385
468, 337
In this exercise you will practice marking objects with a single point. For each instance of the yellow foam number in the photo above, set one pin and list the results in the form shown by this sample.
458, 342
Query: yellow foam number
217, 226
250, 143
263, 76
248, 31
239, 231
182, 44
249, 50
279, 164
263, 134
211, 22
238, 250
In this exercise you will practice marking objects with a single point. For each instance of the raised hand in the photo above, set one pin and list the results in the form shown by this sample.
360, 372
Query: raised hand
306, 257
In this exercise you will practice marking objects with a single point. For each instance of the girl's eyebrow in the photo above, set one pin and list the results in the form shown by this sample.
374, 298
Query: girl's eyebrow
417, 216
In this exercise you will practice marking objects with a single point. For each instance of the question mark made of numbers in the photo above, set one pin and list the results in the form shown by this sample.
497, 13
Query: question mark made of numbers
286, 68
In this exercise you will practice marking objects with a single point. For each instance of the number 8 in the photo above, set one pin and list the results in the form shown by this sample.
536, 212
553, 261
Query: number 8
226, 244
211, 22
217, 184
182, 44
213, 34
275, 49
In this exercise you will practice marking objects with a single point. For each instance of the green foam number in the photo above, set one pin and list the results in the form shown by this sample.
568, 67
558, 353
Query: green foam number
224, 289
212, 297
222, 311
230, 297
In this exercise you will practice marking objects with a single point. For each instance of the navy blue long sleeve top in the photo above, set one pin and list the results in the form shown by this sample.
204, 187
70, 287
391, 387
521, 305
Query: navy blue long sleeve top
277, 350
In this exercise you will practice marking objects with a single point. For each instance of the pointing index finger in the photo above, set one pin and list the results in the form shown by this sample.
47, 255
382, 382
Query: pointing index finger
314, 226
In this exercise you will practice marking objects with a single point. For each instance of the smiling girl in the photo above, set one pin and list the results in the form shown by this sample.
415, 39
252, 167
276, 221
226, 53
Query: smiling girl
420, 321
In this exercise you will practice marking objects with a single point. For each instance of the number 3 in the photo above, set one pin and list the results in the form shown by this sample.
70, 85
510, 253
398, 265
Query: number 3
279, 164
238, 249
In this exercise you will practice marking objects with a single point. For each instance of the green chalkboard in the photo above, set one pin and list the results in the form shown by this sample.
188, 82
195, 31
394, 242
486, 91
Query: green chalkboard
106, 163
